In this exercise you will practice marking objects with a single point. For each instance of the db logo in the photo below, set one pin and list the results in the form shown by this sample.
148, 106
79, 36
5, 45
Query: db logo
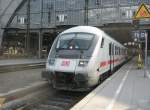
65, 63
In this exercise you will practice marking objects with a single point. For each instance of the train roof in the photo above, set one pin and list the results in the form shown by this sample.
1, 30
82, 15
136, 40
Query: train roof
86, 29
91, 30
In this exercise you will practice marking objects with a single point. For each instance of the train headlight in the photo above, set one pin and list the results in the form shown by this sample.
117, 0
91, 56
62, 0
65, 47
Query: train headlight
51, 61
83, 63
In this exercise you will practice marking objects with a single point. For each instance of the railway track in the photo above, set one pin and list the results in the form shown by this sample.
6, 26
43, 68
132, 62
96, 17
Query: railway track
41, 97
61, 100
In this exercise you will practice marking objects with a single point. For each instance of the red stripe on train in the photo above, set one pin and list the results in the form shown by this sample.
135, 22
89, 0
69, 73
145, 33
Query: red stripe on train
106, 63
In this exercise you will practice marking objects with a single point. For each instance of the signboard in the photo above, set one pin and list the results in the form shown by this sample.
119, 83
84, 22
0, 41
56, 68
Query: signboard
139, 35
142, 12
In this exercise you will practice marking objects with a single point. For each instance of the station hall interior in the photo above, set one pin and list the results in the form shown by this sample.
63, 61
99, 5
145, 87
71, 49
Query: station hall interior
29, 27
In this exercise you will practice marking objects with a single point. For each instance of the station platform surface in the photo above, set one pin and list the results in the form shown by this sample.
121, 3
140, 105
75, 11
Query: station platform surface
6, 62
127, 89
13, 80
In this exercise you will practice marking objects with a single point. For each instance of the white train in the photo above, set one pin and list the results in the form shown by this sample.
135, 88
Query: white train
81, 57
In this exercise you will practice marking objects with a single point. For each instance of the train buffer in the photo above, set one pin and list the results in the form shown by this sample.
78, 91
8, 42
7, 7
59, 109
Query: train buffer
126, 89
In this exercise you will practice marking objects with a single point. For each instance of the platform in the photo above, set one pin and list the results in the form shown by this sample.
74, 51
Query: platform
7, 62
127, 89
19, 78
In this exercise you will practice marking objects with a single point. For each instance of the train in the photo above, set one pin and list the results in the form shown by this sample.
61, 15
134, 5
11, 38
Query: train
81, 57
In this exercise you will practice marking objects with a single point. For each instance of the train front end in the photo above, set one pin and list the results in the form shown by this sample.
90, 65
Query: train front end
69, 61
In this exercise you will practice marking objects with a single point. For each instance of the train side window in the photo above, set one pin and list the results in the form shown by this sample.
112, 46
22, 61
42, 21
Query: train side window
110, 47
124, 52
116, 50
102, 43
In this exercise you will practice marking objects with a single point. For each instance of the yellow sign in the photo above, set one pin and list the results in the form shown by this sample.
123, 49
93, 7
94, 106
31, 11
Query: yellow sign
142, 12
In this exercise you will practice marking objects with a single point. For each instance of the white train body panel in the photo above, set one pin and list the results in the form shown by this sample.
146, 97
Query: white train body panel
80, 56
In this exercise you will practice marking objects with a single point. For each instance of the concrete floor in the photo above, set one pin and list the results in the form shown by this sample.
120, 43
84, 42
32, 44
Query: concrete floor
14, 80
127, 89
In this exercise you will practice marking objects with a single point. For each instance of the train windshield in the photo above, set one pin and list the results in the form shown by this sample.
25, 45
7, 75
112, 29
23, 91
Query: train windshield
75, 41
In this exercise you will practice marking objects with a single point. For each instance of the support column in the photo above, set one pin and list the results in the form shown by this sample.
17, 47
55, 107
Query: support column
146, 35
40, 43
41, 32
1, 37
86, 12
0, 25
28, 28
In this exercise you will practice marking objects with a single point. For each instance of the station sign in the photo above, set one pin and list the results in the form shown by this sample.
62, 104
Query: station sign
139, 35
142, 12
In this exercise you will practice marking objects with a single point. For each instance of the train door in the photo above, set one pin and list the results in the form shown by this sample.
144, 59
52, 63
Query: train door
112, 62
110, 55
